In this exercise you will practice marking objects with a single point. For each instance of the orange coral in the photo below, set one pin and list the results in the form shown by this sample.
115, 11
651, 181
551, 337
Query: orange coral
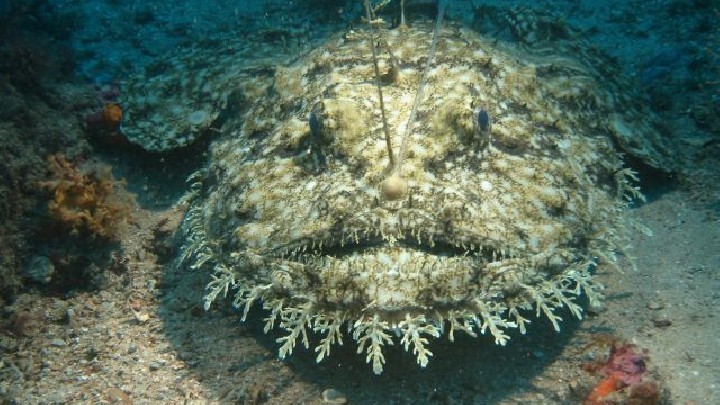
624, 372
86, 204
112, 116
607, 386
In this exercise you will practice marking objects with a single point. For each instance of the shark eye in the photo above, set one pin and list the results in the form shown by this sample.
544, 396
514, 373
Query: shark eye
315, 147
482, 120
473, 125
481, 127
317, 128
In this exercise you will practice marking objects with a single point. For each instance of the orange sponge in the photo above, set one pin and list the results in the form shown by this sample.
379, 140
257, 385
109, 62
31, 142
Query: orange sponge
112, 115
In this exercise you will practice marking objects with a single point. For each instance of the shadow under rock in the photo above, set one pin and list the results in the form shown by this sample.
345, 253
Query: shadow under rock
654, 183
157, 179
467, 370
237, 362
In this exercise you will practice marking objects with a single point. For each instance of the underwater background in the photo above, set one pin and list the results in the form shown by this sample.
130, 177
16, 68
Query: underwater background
95, 307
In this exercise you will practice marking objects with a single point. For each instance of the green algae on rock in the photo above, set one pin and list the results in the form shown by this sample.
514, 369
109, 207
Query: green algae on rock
482, 233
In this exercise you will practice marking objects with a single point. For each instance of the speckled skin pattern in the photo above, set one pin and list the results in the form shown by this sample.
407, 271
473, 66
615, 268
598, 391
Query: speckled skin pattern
498, 222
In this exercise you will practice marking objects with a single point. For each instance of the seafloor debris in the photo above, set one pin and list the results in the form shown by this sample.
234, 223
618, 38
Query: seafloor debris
105, 120
333, 396
39, 269
108, 118
624, 379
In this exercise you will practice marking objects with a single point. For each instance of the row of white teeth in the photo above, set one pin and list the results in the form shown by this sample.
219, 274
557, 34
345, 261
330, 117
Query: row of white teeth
470, 249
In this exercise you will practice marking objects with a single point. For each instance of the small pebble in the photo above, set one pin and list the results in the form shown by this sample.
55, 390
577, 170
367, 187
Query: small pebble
654, 305
662, 323
154, 366
70, 316
57, 342
135, 305
132, 348
117, 396
141, 317
333, 396
595, 311
573, 385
